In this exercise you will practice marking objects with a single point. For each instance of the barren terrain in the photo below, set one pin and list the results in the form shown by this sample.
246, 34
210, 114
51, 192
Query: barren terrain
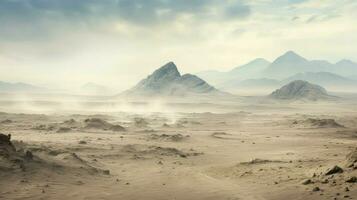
237, 150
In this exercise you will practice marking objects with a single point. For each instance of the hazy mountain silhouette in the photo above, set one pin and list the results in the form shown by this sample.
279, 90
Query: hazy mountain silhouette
291, 63
20, 87
167, 80
251, 70
287, 67
325, 79
345, 68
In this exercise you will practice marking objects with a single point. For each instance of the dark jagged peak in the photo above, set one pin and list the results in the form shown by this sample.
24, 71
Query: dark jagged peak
168, 81
159, 79
168, 71
301, 90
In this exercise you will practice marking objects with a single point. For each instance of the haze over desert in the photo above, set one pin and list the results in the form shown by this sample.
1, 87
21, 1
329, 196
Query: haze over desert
178, 100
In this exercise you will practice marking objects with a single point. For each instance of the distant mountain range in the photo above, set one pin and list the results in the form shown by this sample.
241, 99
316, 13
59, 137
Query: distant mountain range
251, 70
326, 79
167, 81
86, 89
261, 74
20, 87
291, 63
258, 76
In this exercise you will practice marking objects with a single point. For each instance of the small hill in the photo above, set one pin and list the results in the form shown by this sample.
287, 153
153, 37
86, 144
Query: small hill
168, 81
301, 90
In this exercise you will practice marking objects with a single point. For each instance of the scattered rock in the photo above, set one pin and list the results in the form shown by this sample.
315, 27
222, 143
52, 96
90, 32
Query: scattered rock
219, 135
352, 179
186, 122
166, 137
307, 182
117, 128
351, 159
5, 139
317, 123
6, 121
166, 125
334, 170
82, 142
64, 130
260, 161
79, 183
147, 131
44, 127
325, 181
97, 123
10, 158
7, 149
28, 155
144, 151
316, 189
70, 122
140, 122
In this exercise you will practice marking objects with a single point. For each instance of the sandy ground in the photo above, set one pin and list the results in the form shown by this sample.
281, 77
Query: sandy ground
251, 151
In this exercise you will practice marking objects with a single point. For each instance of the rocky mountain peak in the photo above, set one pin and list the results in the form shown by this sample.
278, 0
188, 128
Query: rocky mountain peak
167, 80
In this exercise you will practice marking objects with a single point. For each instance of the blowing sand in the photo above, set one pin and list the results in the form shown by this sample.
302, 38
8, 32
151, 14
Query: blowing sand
291, 151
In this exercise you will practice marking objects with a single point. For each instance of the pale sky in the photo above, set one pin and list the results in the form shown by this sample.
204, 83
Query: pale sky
66, 43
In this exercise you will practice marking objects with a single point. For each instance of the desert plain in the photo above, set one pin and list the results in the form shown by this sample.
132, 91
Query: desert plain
244, 148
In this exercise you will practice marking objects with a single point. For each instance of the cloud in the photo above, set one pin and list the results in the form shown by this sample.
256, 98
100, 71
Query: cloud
296, 1
321, 18
28, 18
